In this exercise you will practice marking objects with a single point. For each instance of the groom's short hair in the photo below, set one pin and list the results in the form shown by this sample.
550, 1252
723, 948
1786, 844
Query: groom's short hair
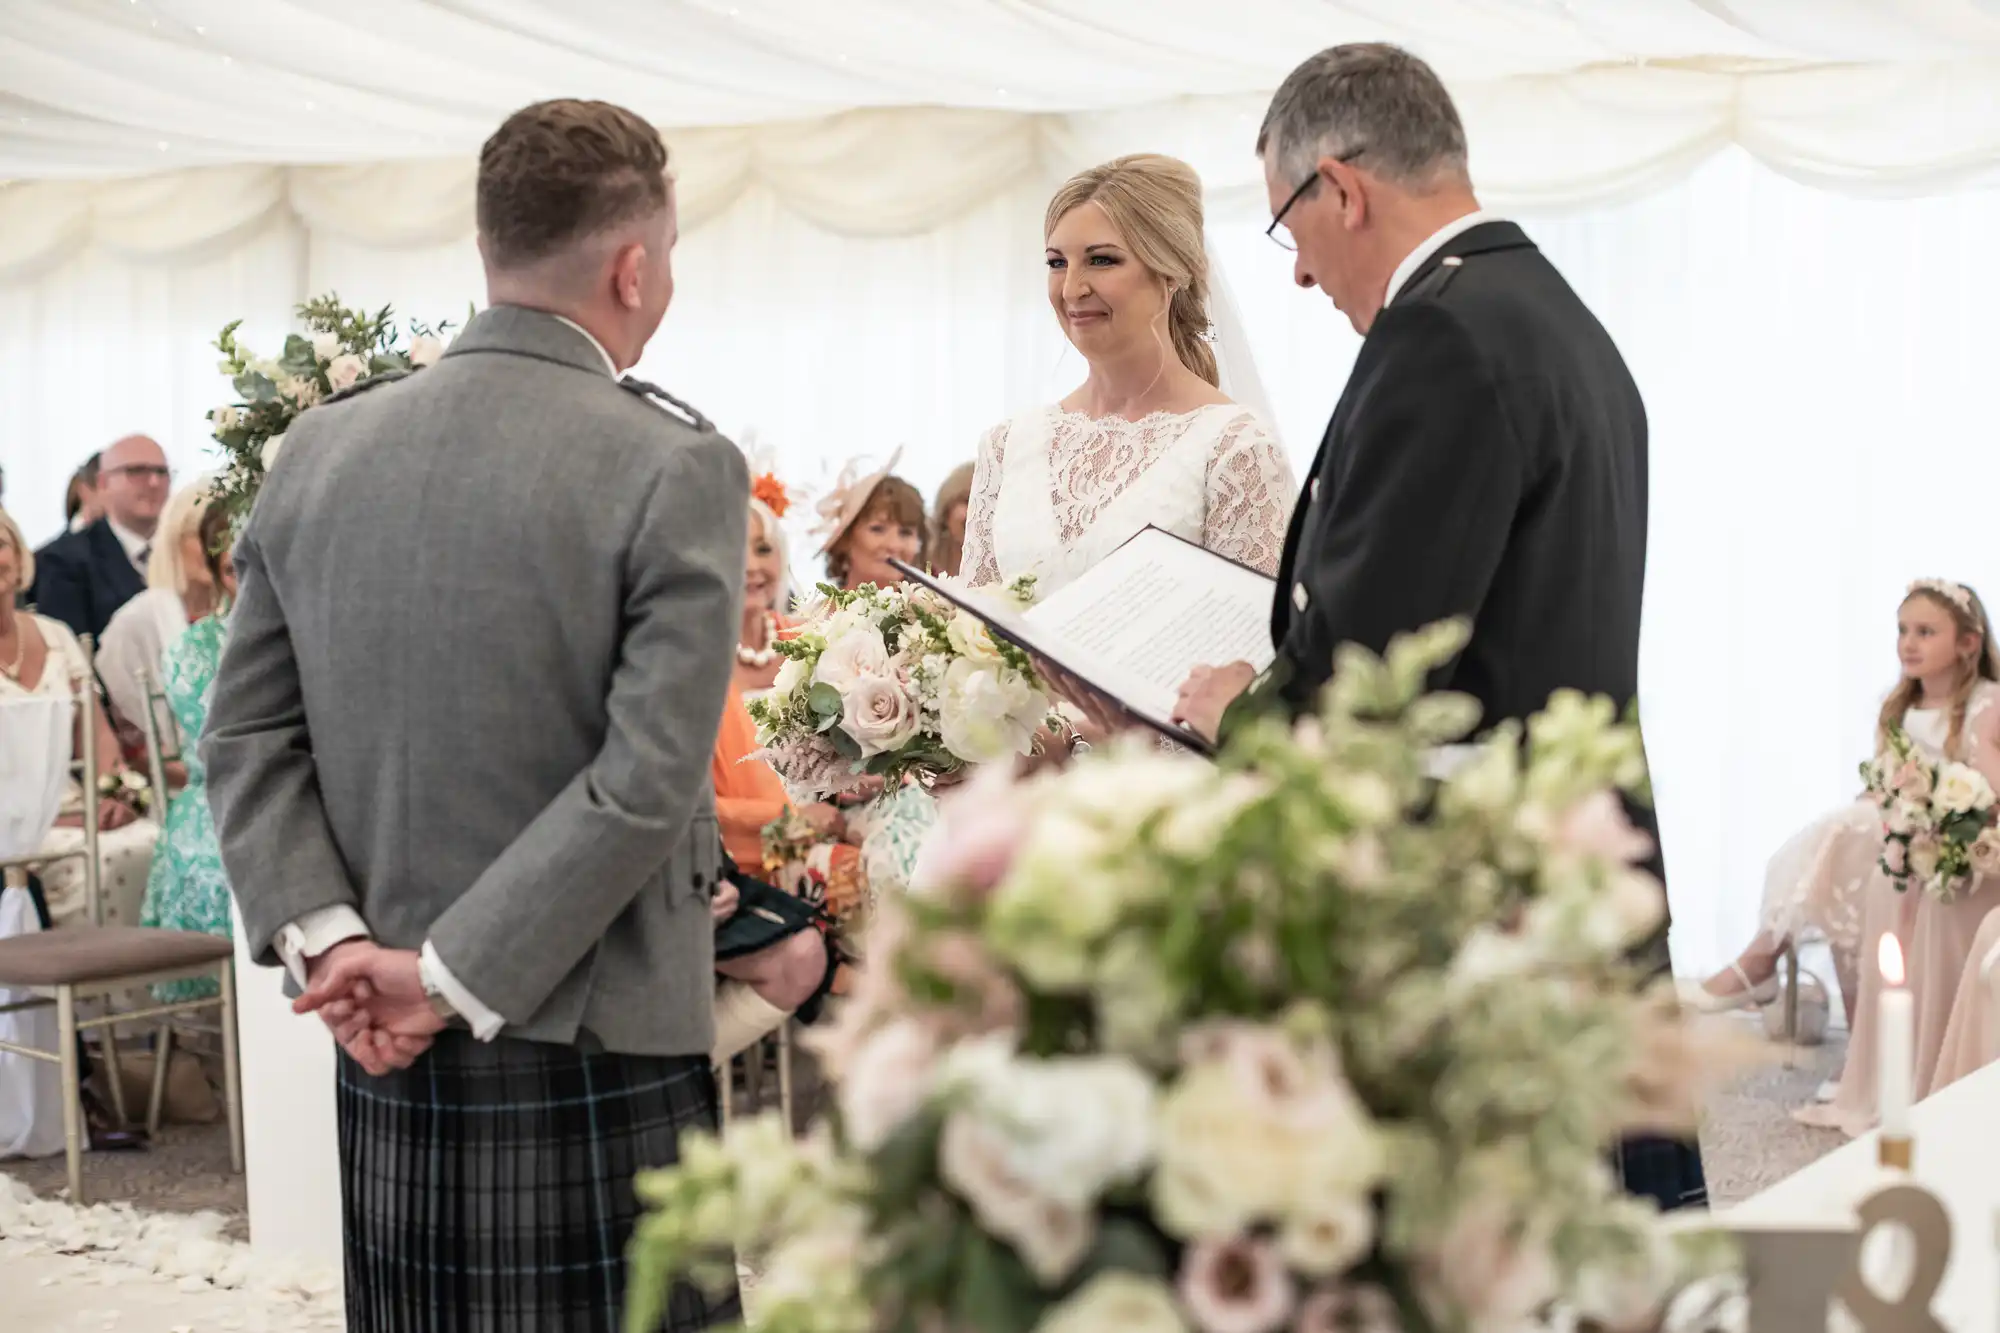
561, 172
1371, 102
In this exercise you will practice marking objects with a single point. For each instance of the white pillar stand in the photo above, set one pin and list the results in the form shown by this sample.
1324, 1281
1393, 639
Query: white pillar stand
290, 1145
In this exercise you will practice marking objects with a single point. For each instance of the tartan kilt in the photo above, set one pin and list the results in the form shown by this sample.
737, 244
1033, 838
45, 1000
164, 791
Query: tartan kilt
488, 1188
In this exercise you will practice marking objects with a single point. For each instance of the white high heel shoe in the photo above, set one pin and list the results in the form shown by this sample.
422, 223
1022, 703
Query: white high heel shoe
1701, 999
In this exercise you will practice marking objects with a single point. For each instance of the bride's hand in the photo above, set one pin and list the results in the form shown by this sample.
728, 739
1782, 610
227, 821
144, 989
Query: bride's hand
1104, 715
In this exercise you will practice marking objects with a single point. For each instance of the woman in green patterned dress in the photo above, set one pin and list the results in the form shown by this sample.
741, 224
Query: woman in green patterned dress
187, 889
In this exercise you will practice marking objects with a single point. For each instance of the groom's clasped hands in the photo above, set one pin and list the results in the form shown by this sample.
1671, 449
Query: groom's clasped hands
372, 999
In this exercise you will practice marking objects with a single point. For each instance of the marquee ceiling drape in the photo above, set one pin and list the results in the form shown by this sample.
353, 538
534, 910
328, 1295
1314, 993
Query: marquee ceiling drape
158, 127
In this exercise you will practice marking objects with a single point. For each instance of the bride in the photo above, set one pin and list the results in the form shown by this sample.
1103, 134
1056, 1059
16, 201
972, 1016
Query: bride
1150, 437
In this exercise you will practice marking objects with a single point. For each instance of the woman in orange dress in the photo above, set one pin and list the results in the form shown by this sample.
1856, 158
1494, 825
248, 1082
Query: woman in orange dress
771, 946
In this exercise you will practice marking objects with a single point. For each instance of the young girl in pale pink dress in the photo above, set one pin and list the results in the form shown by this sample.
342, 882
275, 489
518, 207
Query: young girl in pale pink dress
1947, 705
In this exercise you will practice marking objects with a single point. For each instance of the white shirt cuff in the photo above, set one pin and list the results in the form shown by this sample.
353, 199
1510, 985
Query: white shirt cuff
484, 1022
316, 932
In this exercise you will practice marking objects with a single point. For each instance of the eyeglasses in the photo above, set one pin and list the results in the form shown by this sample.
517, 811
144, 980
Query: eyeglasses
144, 471
1284, 239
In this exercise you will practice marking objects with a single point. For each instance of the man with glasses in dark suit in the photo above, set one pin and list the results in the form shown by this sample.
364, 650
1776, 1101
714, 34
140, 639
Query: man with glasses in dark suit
1487, 459
82, 578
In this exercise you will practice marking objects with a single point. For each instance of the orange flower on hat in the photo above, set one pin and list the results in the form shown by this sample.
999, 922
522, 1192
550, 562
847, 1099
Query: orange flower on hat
771, 491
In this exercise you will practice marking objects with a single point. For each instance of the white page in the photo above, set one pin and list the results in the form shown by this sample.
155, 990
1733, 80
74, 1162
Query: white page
1155, 609
1136, 623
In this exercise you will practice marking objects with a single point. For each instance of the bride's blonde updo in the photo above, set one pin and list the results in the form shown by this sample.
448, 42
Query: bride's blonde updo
1155, 203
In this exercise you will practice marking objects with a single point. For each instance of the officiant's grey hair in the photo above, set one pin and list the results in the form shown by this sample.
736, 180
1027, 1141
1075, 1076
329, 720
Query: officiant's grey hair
1370, 103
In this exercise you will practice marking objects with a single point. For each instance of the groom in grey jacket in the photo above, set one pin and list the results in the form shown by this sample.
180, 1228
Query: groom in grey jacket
459, 748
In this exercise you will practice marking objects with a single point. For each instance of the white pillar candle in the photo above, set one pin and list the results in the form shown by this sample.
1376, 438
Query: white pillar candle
1894, 1042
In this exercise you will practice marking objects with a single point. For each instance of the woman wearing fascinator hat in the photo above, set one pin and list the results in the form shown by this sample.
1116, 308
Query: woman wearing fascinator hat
867, 520
772, 947
1168, 428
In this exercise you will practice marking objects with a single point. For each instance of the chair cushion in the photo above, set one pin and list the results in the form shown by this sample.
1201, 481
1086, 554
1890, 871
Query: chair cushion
78, 954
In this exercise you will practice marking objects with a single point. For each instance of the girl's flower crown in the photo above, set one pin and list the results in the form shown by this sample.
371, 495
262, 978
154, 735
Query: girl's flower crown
1957, 594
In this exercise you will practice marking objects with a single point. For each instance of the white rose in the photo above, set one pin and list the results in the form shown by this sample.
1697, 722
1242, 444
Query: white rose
1901, 820
1238, 1146
345, 371
879, 715
858, 651
968, 637
1118, 1299
425, 349
1068, 1126
326, 346
1961, 788
1050, 1237
226, 418
888, 1077
986, 713
790, 676
269, 454
1325, 1236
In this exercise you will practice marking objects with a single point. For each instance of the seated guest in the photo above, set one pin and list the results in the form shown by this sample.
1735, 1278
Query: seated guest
82, 578
948, 522
39, 656
180, 590
767, 589
866, 523
187, 889
770, 945
81, 505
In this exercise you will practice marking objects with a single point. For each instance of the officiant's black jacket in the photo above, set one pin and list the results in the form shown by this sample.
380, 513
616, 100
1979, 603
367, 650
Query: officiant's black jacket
82, 578
1487, 460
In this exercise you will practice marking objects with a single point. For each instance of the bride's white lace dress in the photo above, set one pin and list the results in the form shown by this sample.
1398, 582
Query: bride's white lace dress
1054, 492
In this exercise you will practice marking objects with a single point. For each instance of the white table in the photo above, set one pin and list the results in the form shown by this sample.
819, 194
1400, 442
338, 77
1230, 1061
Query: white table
1957, 1159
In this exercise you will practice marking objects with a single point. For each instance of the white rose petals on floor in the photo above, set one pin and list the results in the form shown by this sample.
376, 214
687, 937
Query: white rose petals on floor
93, 1267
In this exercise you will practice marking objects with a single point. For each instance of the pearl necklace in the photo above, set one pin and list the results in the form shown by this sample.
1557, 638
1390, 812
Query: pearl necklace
761, 657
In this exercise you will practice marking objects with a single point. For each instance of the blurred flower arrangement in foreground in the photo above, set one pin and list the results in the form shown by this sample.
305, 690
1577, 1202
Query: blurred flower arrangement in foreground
1300, 1040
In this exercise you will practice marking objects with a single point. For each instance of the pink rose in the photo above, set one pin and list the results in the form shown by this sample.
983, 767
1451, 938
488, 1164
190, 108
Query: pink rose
1985, 853
1924, 854
1236, 1286
980, 827
1348, 1310
345, 370
1492, 1269
1912, 781
1895, 858
1597, 827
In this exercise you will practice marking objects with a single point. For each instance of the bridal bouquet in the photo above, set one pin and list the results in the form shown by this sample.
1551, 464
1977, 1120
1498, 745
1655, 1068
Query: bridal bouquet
1295, 1041
1938, 819
340, 348
895, 682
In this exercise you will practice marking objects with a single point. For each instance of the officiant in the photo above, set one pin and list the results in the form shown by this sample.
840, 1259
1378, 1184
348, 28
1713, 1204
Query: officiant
1487, 458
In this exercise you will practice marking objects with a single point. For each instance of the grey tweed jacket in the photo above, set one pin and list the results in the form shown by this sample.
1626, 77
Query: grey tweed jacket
474, 674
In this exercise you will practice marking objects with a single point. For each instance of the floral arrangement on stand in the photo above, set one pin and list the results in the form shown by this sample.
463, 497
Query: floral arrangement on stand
1938, 819
898, 684
1300, 1040
339, 349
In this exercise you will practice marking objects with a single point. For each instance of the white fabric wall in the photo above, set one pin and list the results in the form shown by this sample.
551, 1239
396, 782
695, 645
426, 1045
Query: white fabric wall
1816, 368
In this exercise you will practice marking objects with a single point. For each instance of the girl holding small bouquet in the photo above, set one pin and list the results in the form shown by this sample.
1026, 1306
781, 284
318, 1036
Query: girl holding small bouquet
1946, 707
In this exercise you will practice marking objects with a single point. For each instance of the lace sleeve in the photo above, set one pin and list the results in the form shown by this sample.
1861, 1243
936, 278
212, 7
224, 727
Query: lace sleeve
980, 568
1250, 495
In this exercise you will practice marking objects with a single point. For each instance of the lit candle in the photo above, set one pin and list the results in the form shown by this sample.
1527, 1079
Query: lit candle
1894, 1058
